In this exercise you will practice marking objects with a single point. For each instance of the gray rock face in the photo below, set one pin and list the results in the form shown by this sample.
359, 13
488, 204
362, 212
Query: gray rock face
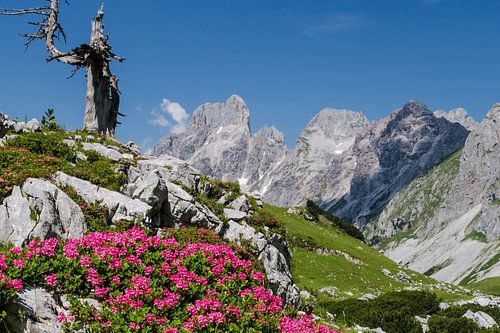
241, 204
458, 115
36, 311
183, 209
342, 162
15, 222
318, 167
275, 255
391, 153
39, 209
151, 189
219, 143
58, 215
236, 215
121, 207
109, 152
467, 205
40, 308
151, 182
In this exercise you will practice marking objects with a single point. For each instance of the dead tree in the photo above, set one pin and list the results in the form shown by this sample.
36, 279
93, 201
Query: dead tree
102, 100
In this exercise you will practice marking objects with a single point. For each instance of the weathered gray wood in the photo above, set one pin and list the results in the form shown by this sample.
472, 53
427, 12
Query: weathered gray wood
102, 98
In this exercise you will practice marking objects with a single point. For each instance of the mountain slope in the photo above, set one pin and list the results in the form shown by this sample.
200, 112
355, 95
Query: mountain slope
325, 256
461, 227
391, 153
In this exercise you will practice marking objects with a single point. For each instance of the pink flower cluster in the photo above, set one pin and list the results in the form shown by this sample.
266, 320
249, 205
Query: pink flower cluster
161, 284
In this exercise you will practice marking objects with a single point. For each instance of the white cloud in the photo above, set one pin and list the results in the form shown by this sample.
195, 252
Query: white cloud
159, 119
171, 115
178, 114
339, 22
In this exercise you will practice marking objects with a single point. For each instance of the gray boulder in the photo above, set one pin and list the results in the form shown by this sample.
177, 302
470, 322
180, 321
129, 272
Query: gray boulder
16, 224
279, 276
236, 215
367, 297
236, 232
39, 209
241, 204
423, 323
183, 209
58, 215
119, 205
152, 190
36, 310
19, 127
358, 328
40, 310
329, 290
32, 126
169, 168
112, 152
481, 319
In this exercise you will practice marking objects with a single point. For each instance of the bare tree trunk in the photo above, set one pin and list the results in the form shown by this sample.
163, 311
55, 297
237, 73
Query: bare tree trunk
101, 110
102, 98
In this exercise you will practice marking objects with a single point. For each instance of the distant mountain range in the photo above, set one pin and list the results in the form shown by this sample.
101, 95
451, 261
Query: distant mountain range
359, 170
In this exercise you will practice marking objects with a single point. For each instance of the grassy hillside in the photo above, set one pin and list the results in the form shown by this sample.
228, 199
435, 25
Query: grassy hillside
417, 202
489, 286
325, 255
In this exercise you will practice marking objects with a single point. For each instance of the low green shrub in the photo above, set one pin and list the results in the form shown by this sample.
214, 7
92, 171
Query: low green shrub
44, 144
318, 213
442, 324
394, 312
99, 172
262, 218
19, 164
459, 311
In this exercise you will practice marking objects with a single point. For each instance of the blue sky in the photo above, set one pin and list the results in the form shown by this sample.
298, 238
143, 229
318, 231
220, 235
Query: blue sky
287, 59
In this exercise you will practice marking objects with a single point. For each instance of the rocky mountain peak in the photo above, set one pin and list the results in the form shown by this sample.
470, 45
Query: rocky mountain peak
458, 115
330, 131
494, 114
391, 153
271, 134
411, 110
215, 115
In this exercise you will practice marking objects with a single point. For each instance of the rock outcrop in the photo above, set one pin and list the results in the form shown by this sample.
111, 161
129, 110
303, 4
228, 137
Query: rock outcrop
179, 208
274, 254
39, 209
